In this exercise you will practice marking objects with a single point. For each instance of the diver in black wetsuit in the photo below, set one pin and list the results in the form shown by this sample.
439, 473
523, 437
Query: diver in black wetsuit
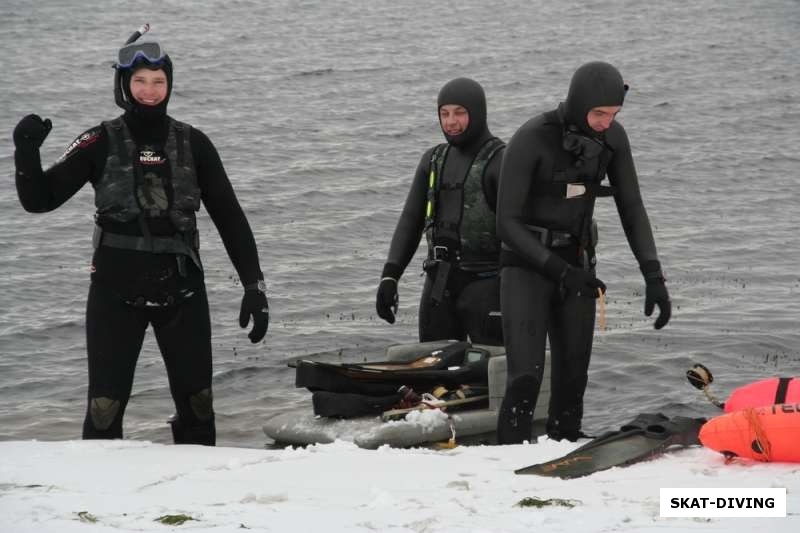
150, 173
452, 200
552, 173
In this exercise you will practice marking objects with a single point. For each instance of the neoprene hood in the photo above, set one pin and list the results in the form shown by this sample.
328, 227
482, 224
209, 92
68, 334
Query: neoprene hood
468, 94
122, 79
593, 85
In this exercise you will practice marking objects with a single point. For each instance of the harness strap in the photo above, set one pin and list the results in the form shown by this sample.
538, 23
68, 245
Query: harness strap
438, 156
549, 239
180, 243
116, 132
552, 238
588, 227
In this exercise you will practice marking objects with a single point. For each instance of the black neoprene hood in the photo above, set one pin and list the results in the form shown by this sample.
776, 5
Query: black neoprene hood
468, 94
593, 85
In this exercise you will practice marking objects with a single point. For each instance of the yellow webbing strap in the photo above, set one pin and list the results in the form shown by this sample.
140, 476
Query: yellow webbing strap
431, 183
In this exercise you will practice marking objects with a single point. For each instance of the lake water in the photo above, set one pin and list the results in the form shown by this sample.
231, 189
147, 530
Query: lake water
321, 111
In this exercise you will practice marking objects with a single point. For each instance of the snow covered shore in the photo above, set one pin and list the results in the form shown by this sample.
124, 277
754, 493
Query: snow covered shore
98, 486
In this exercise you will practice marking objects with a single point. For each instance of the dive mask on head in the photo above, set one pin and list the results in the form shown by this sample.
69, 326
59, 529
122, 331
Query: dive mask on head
150, 51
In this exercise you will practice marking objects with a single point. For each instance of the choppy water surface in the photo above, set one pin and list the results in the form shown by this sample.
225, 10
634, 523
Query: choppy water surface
321, 110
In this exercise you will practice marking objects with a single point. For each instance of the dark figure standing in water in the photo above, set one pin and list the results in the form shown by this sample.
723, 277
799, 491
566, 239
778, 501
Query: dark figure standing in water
452, 200
150, 174
552, 174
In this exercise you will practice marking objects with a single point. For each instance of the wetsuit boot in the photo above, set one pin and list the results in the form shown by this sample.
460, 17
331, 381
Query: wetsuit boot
196, 432
515, 419
195, 425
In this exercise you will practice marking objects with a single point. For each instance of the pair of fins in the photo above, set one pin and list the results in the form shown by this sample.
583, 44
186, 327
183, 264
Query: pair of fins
645, 437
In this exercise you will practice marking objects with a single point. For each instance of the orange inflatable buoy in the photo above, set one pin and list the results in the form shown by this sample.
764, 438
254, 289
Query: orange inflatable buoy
762, 433
764, 392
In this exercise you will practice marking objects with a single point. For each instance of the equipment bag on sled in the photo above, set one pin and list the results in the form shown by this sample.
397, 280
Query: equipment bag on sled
451, 366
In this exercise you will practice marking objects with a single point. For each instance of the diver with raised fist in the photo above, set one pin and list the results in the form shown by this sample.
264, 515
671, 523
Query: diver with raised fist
150, 174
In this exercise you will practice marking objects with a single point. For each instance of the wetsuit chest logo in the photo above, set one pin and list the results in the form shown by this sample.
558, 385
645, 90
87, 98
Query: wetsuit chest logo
151, 188
149, 157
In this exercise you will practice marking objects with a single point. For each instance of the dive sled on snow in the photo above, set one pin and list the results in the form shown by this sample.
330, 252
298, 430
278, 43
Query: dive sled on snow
418, 366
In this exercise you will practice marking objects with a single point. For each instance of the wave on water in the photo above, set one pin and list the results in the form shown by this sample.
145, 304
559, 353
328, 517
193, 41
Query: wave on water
314, 72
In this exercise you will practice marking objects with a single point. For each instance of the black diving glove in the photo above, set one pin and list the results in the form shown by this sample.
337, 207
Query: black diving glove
656, 293
581, 282
387, 301
31, 131
254, 303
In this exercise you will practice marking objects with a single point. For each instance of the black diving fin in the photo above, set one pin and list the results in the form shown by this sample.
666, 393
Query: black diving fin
647, 436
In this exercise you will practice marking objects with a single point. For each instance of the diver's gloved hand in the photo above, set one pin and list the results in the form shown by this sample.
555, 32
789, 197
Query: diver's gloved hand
31, 131
581, 282
656, 293
386, 301
254, 303
572, 280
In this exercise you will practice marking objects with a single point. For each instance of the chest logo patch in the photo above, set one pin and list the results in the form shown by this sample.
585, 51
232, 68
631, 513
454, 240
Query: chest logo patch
149, 157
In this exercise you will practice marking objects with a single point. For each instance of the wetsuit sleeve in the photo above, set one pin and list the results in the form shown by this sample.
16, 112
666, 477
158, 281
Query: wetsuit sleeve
224, 209
41, 191
521, 162
632, 213
408, 232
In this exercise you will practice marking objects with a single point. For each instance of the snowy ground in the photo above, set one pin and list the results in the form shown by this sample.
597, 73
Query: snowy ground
94, 486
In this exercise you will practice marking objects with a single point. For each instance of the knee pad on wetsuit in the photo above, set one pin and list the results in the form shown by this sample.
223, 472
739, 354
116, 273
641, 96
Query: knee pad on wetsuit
515, 419
103, 411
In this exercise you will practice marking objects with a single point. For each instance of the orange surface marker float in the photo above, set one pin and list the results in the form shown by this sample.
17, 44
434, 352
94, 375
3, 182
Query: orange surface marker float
768, 434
